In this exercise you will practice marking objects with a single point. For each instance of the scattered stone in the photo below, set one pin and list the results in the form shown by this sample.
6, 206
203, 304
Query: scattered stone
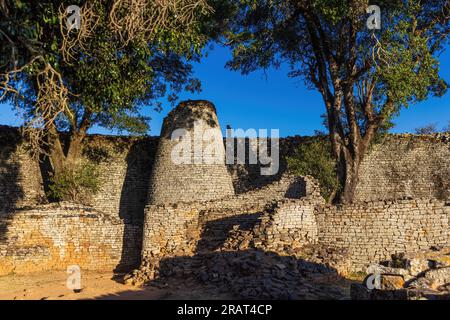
392, 282
427, 276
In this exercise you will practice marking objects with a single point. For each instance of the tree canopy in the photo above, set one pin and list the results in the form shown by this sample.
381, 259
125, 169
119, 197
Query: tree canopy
125, 56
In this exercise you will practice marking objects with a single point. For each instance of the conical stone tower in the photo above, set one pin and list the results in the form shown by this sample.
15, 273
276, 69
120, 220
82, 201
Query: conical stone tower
190, 160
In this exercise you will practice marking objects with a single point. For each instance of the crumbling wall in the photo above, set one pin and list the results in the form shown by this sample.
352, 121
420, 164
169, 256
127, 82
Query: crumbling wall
290, 223
174, 229
53, 237
373, 231
348, 237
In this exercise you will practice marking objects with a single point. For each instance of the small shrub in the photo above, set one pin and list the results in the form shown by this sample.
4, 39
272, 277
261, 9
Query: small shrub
77, 185
315, 159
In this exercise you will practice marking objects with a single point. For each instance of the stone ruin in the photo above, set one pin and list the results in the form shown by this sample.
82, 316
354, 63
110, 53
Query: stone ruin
259, 244
198, 179
203, 222
224, 226
419, 276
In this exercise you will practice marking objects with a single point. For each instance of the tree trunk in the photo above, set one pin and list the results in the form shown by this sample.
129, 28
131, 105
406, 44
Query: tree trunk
350, 180
57, 157
349, 164
62, 161
74, 150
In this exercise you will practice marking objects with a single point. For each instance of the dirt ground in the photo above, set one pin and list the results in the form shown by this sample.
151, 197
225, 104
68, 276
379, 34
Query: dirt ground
103, 286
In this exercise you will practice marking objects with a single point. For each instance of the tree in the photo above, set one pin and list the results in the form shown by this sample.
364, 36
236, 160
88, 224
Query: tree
364, 75
428, 129
121, 60
315, 158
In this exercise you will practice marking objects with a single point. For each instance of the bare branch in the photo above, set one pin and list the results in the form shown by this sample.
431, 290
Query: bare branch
51, 102
72, 39
143, 19
130, 20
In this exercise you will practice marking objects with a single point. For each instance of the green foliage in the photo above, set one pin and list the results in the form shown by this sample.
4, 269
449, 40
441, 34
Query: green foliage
365, 76
77, 185
402, 58
314, 158
110, 82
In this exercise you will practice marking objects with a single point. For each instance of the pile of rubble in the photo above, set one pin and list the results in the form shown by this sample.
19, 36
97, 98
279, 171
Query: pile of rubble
255, 274
239, 264
424, 275
250, 274
333, 258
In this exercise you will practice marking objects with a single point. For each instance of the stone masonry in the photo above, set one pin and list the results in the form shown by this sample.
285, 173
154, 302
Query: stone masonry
408, 166
150, 209
401, 166
203, 176
373, 231
53, 237
173, 229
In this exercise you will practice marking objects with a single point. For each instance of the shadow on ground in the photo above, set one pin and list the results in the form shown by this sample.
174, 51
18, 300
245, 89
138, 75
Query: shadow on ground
215, 272
250, 274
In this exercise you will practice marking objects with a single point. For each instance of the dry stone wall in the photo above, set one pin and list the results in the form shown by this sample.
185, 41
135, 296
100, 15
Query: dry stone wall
403, 165
397, 166
406, 166
170, 230
373, 231
53, 237
290, 223
348, 238
110, 233
174, 229
20, 178
192, 166
356, 235
125, 166
345, 238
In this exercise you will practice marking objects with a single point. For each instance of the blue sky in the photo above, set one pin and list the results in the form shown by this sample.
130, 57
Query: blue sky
271, 100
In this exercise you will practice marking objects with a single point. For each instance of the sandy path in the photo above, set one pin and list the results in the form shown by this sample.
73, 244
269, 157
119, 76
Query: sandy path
52, 286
